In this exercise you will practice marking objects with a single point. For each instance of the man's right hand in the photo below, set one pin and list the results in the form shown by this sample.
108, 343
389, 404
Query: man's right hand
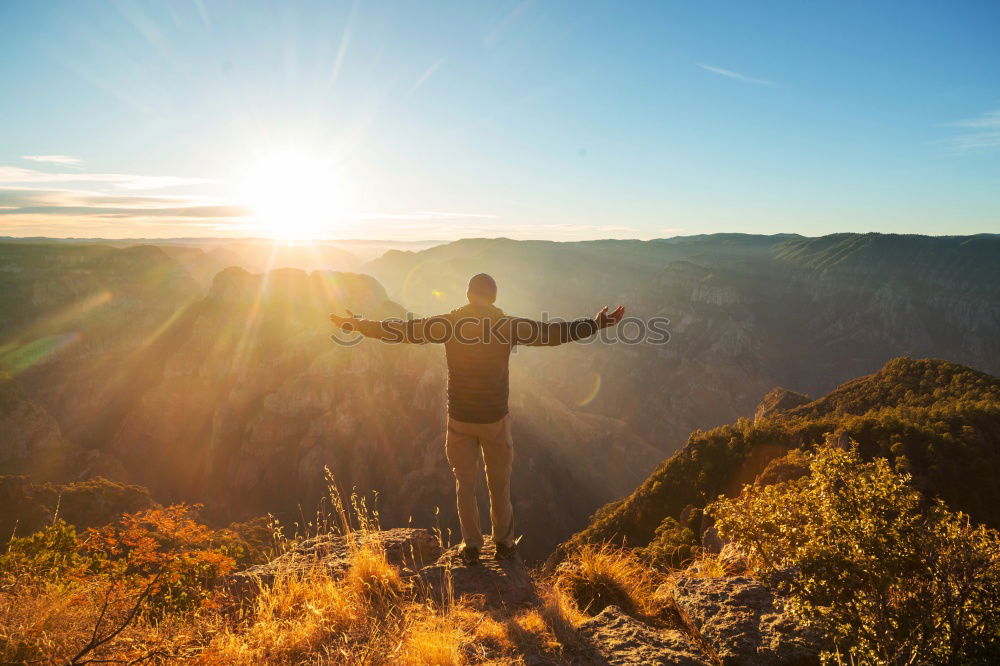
605, 319
339, 320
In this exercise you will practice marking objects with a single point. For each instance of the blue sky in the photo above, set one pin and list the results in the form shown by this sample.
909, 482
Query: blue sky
538, 119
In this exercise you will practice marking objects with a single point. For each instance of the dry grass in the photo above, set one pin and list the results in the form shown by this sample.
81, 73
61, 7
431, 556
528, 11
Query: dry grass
561, 616
296, 617
432, 639
596, 577
728, 562
44, 622
369, 614
462, 634
371, 578
39, 620
319, 617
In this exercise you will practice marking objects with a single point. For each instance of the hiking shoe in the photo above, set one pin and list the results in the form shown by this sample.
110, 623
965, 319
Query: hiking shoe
505, 552
470, 555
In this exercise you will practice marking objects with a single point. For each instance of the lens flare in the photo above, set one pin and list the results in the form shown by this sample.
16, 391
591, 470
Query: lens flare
595, 388
37, 351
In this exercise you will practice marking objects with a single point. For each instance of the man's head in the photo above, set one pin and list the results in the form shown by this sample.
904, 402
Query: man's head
482, 290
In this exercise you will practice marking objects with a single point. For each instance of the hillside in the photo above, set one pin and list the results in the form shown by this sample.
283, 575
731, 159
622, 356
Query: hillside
936, 420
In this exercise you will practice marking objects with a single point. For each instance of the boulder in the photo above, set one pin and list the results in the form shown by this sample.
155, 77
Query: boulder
500, 584
741, 621
619, 639
408, 548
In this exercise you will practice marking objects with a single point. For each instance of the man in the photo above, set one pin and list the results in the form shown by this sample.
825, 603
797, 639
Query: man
478, 339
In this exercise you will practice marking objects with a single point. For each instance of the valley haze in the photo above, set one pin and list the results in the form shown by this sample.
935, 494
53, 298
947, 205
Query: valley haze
203, 369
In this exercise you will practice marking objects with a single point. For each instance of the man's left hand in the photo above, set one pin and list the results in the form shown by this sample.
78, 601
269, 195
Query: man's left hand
605, 319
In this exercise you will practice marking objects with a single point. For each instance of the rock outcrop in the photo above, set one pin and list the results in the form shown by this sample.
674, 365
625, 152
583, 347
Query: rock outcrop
493, 584
408, 548
740, 619
621, 640
779, 400
498, 584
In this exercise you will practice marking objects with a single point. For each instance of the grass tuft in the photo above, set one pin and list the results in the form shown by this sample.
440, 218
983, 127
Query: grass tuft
595, 577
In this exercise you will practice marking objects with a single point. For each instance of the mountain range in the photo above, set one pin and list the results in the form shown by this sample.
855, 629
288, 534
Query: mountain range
206, 373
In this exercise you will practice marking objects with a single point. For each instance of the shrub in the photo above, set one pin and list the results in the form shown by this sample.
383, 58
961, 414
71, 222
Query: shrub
49, 551
166, 545
673, 545
890, 577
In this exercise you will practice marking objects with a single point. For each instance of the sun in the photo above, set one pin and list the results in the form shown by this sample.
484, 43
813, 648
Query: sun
292, 196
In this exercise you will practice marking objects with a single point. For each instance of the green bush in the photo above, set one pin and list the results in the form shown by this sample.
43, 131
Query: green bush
48, 553
890, 577
673, 545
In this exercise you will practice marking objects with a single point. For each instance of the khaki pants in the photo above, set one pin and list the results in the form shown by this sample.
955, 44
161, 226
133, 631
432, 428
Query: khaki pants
462, 447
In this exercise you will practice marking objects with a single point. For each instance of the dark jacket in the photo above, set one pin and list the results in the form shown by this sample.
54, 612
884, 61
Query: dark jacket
478, 340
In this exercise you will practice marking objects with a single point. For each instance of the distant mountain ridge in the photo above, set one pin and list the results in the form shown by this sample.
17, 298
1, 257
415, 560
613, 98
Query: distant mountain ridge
747, 312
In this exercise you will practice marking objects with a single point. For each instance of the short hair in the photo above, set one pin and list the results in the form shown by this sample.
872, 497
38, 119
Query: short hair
484, 287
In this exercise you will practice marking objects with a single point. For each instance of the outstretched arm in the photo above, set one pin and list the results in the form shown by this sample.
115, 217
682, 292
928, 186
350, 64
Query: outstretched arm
549, 334
414, 331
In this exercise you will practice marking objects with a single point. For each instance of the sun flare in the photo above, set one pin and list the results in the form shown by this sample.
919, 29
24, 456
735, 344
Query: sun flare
292, 195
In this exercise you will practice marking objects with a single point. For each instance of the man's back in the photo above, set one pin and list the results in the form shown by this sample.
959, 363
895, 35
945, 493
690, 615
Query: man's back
478, 354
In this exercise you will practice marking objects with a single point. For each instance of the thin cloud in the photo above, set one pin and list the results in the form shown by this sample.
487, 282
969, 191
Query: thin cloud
988, 120
64, 204
9, 175
983, 134
30, 196
428, 73
431, 215
735, 75
93, 211
507, 24
66, 160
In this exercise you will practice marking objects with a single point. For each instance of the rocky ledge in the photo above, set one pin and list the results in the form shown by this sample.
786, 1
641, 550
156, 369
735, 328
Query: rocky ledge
419, 555
408, 548
620, 640
727, 621
497, 584
741, 621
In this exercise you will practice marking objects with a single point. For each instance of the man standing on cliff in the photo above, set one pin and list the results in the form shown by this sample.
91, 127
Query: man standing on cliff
478, 339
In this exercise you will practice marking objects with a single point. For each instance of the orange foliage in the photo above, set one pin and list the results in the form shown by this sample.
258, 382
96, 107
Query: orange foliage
166, 545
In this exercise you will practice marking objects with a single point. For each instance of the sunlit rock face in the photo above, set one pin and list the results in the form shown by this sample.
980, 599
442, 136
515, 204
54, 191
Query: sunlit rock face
778, 400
